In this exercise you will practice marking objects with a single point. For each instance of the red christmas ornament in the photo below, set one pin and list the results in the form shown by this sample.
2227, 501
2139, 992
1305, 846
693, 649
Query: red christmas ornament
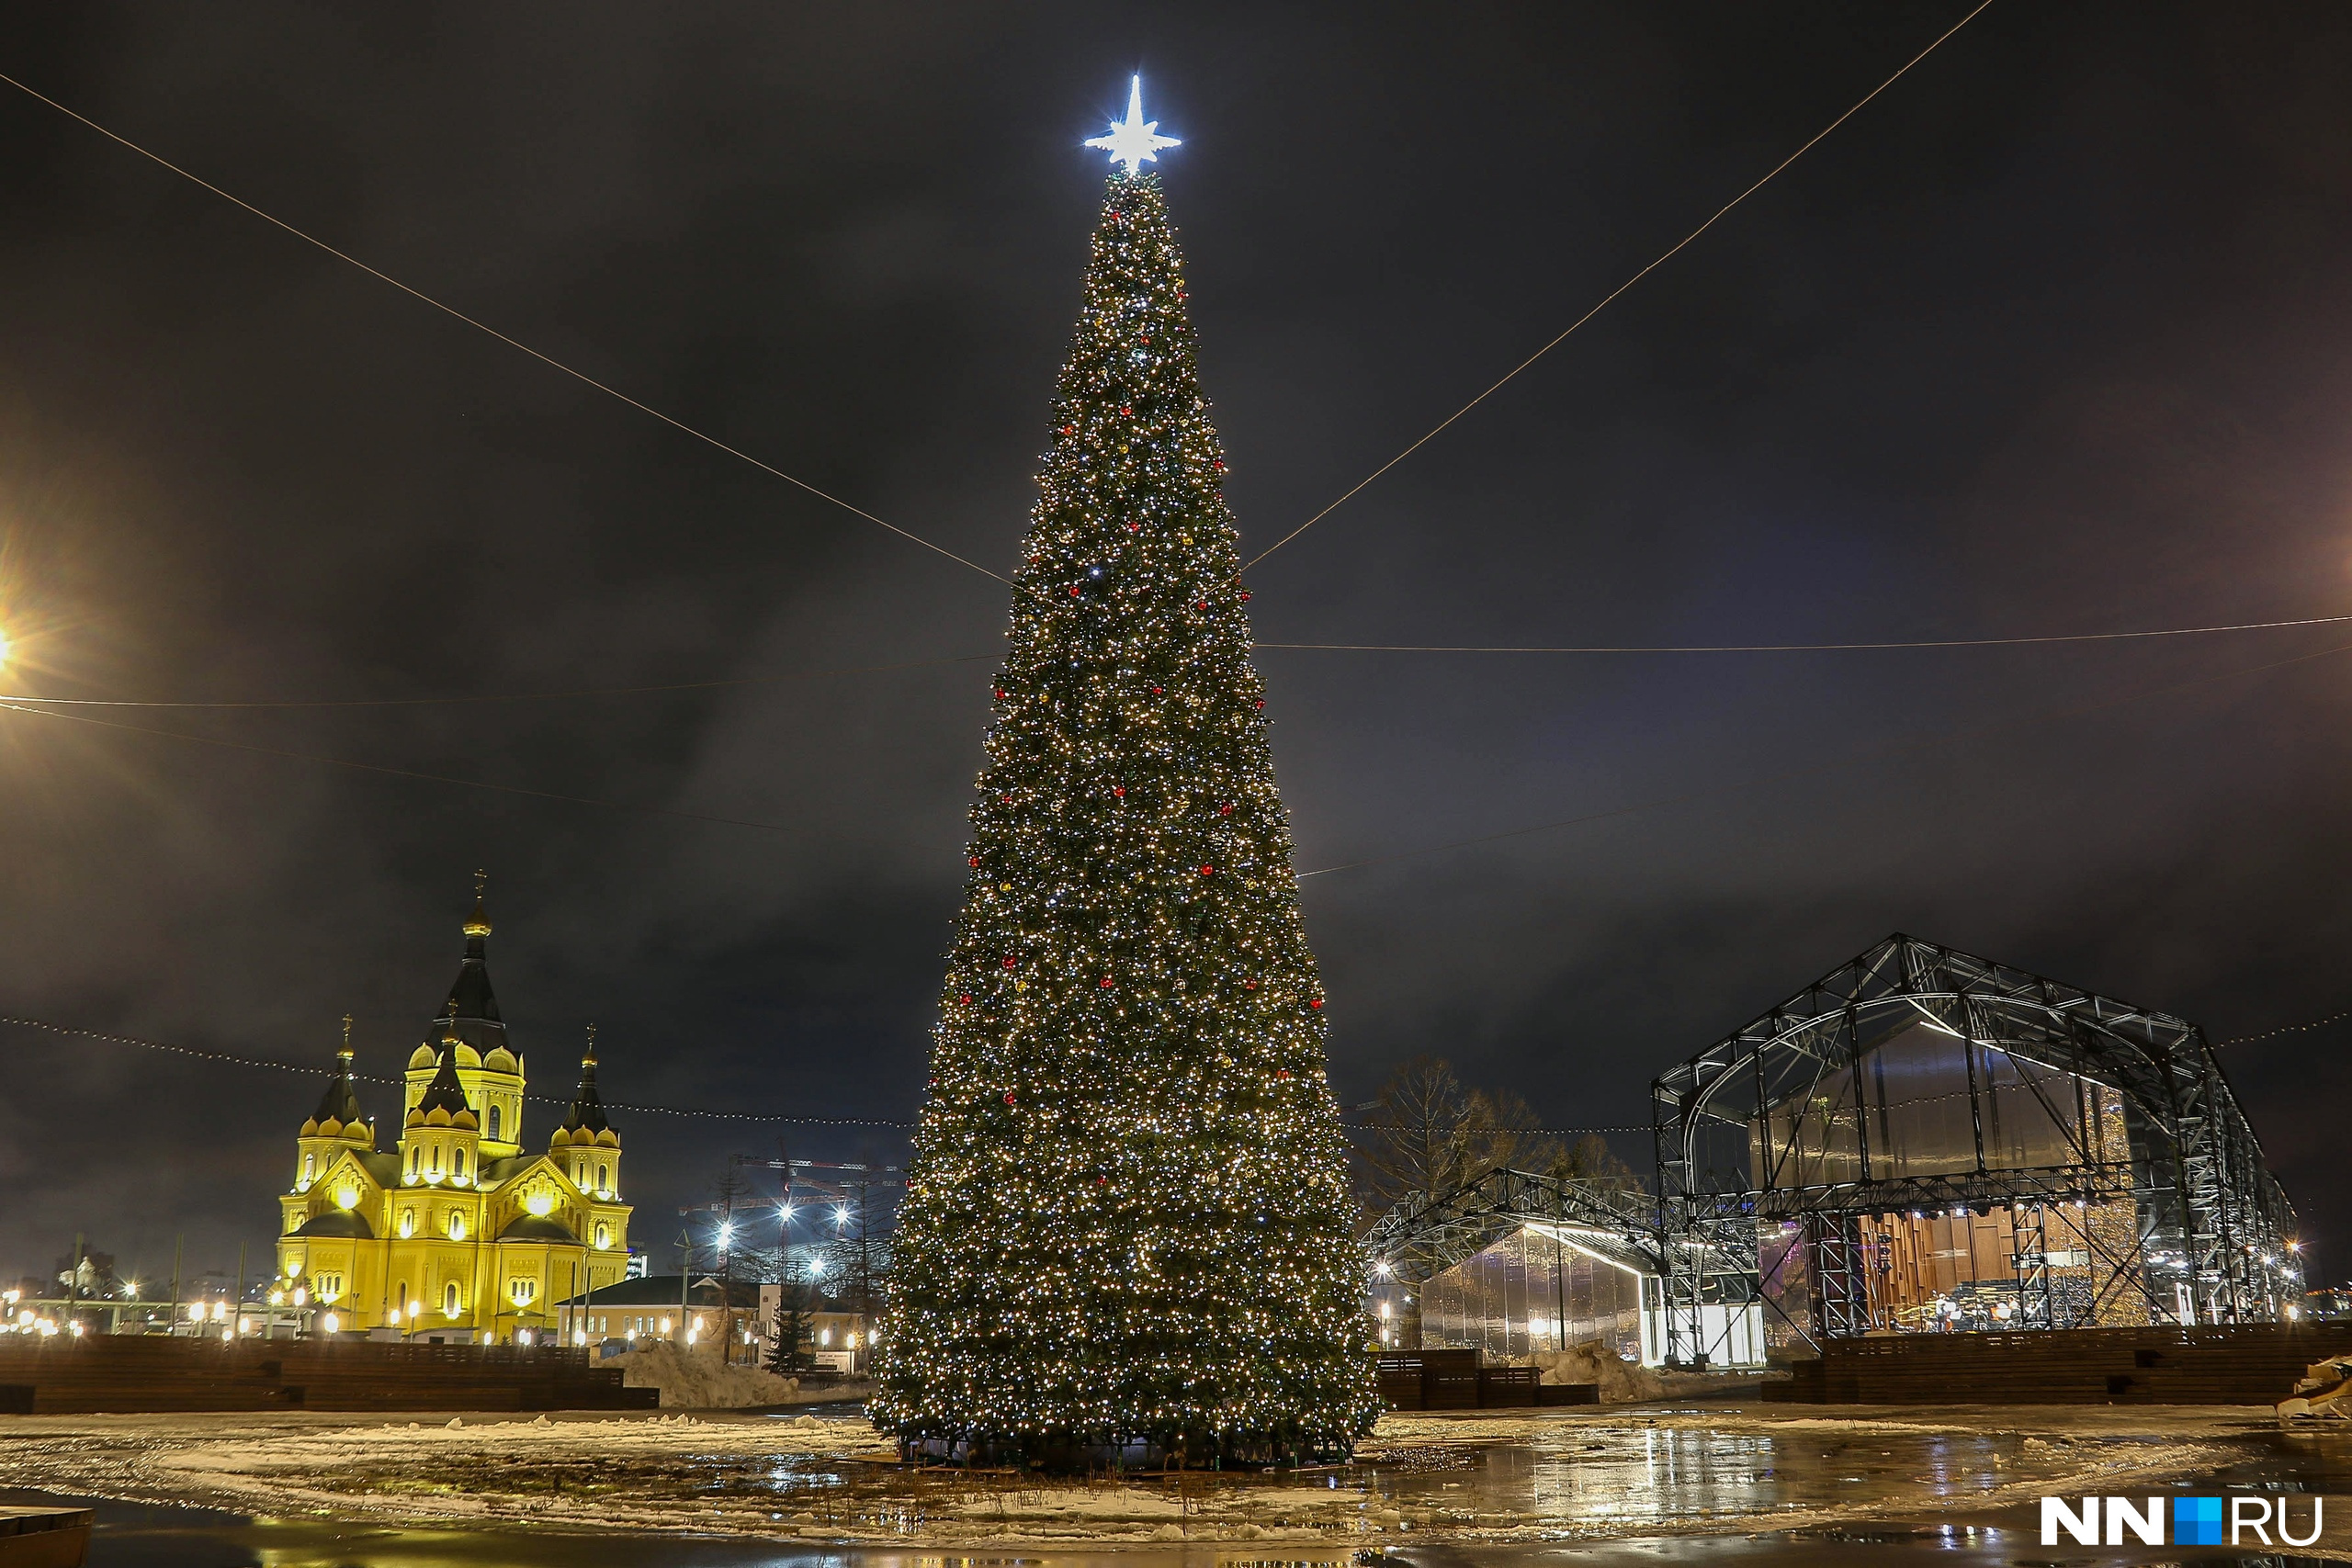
1208, 870
1220, 464
1245, 598
1156, 691
1146, 338
1119, 790
1282, 1072
1124, 408
1073, 589
1011, 963
1002, 692
1008, 1097
1202, 605
1225, 810
1315, 1002
1102, 1181
1070, 429
1261, 702
1114, 214
975, 859
1135, 527
963, 1000
1249, 985
1106, 982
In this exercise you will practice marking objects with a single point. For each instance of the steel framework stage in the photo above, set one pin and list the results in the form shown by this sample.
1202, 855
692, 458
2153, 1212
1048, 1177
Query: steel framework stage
2100, 1143
1423, 1236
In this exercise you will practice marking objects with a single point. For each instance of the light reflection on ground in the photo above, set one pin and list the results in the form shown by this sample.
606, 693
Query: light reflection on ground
1654, 1485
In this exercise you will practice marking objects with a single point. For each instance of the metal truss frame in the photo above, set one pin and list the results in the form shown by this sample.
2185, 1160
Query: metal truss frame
2212, 1224
1422, 1236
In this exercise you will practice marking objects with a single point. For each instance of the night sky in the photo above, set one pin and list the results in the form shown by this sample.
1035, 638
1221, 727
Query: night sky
2048, 339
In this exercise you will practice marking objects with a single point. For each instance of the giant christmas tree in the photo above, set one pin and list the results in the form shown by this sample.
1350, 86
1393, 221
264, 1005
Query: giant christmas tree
1126, 1229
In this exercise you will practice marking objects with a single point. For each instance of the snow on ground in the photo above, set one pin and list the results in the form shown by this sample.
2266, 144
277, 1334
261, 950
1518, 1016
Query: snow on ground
1521, 1475
696, 1379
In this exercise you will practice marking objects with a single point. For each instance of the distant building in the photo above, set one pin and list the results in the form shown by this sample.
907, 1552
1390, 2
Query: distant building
836, 1341
453, 1234
654, 1307
700, 1311
2331, 1303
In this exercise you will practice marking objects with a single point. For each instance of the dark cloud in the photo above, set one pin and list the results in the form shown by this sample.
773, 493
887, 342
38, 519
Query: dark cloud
2044, 339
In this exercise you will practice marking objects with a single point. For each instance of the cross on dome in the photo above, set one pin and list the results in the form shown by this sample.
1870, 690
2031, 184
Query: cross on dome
1134, 141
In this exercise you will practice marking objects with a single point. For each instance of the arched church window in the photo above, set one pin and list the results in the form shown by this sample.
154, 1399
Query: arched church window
604, 1178
449, 1299
494, 1123
309, 1164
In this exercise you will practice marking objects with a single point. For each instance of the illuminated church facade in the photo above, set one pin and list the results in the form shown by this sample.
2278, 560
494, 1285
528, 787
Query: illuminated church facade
455, 1233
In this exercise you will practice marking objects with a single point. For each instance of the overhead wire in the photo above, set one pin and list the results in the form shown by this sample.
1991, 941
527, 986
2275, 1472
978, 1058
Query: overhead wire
230, 1059
1895, 743
233, 1059
1811, 647
498, 696
587, 692
546, 359
411, 772
1613, 294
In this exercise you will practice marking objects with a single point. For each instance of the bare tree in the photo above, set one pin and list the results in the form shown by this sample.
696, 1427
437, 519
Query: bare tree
732, 1189
1434, 1135
1591, 1159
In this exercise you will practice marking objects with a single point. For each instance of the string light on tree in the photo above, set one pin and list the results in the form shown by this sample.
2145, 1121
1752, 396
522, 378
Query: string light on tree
1127, 1231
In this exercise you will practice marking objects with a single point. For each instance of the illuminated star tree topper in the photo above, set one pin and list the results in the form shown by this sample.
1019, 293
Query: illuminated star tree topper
1134, 141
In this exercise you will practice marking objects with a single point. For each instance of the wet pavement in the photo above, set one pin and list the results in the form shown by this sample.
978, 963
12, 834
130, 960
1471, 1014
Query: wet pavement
1772, 1487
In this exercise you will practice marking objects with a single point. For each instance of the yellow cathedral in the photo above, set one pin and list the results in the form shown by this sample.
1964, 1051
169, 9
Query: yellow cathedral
456, 1233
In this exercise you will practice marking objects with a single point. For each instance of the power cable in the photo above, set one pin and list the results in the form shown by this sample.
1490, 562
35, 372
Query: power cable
1814, 646
502, 696
411, 772
586, 692
550, 360
1894, 743
231, 1059
1611, 295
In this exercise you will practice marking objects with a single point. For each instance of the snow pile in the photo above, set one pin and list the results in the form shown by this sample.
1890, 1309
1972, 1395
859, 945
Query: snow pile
699, 1380
1622, 1381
